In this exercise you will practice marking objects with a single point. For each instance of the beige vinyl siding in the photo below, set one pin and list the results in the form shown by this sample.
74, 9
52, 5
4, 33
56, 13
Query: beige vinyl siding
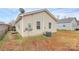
19, 27
44, 19
48, 19
32, 19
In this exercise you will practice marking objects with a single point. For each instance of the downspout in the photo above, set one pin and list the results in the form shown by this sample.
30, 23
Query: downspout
22, 25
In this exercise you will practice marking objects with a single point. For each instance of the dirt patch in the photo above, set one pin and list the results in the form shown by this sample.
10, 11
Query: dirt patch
60, 41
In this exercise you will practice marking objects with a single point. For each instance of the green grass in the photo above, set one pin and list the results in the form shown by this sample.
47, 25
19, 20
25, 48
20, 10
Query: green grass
0, 37
39, 37
19, 38
2, 40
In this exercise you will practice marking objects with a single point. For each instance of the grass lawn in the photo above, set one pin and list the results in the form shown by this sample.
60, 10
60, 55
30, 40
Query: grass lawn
61, 40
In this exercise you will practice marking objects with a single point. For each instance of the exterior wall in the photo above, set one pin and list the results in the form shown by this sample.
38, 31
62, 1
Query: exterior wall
64, 26
68, 26
18, 26
74, 25
44, 19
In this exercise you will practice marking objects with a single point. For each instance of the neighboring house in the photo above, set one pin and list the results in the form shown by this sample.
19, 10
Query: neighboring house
67, 23
77, 25
3, 28
36, 23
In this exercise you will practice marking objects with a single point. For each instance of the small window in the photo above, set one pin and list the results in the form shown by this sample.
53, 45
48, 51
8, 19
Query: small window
29, 27
50, 25
38, 25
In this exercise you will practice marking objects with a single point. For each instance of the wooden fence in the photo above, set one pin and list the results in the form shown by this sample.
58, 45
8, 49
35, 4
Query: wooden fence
3, 31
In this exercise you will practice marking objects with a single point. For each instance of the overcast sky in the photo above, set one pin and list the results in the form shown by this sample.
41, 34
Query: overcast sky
8, 14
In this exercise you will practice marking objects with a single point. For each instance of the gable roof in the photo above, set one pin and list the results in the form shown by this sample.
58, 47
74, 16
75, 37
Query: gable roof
67, 20
19, 17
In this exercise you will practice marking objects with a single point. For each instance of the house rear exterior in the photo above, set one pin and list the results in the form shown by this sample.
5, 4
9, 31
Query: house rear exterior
67, 24
36, 23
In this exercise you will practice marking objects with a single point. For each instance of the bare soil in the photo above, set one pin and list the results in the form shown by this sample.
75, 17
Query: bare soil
59, 41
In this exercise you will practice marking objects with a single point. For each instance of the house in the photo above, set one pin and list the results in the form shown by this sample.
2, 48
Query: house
35, 23
69, 23
77, 25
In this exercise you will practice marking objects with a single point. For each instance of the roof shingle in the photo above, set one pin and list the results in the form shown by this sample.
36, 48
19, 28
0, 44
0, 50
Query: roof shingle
66, 20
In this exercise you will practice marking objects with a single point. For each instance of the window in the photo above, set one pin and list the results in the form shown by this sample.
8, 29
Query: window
38, 25
29, 27
49, 25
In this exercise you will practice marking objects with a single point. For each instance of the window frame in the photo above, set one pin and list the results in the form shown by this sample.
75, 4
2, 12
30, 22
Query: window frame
50, 25
38, 25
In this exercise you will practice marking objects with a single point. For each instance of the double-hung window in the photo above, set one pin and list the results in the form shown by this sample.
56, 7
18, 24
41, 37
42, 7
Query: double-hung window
50, 25
38, 25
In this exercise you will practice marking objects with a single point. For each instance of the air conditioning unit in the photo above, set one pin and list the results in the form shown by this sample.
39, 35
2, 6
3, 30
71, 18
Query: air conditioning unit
48, 34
